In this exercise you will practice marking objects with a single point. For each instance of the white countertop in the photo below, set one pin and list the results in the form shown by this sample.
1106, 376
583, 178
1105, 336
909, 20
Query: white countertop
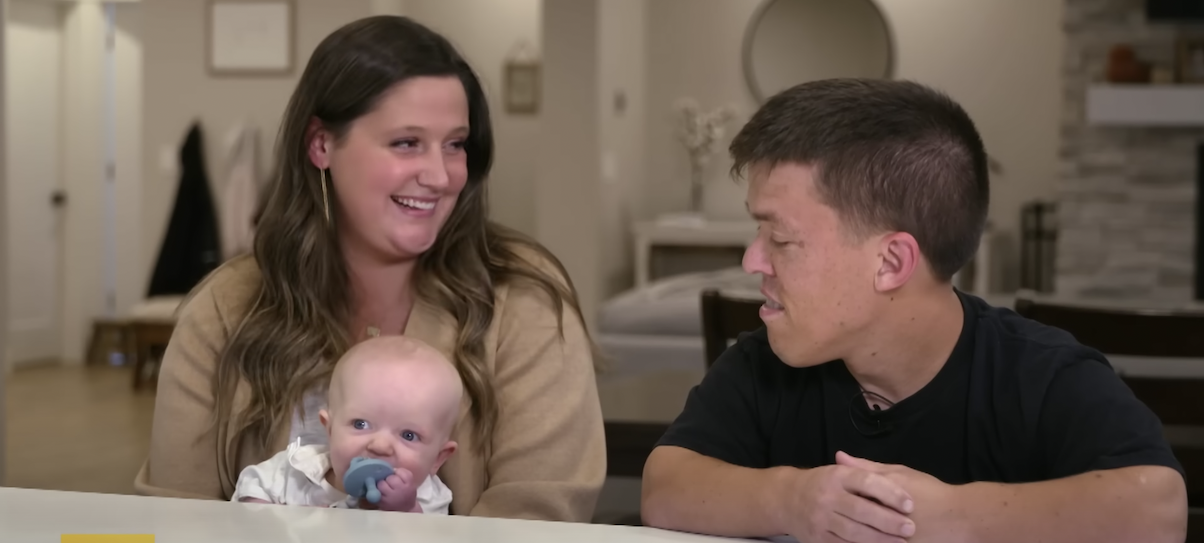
42, 516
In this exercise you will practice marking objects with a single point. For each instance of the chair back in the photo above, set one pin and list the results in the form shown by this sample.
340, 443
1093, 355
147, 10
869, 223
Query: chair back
724, 319
1144, 333
1120, 331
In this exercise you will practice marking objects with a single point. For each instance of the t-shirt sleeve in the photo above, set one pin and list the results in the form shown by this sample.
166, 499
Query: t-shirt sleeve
721, 417
1092, 421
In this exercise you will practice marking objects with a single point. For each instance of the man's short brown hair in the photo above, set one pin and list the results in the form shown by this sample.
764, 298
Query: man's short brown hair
888, 156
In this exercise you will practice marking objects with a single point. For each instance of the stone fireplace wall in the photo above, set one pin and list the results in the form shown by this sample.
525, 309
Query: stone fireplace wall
1126, 195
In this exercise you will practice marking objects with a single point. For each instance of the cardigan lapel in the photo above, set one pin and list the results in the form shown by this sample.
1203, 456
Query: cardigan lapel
432, 326
436, 328
465, 469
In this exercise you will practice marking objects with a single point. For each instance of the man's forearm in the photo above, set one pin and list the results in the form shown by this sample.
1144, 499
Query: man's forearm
689, 492
1138, 504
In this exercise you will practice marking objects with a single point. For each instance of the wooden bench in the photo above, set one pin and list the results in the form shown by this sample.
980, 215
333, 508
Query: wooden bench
149, 327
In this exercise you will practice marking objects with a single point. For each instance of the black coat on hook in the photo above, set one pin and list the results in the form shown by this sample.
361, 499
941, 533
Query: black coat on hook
190, 248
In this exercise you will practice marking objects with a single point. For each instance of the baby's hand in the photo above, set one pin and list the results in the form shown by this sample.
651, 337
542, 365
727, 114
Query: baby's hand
399, 492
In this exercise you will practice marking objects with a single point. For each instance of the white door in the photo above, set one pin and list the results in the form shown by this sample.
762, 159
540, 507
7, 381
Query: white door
32, 103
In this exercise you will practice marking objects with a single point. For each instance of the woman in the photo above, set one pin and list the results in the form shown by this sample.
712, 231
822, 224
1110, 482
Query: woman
376, 224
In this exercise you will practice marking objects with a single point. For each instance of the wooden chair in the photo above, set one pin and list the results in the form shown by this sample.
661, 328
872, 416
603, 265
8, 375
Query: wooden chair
628, 445
724, 319
1146, 333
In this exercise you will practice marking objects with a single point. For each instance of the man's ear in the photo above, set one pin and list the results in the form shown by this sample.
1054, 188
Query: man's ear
444, 454
898, 257
318, 143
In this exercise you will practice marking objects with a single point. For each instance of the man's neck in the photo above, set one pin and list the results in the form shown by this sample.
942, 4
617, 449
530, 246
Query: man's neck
909, 345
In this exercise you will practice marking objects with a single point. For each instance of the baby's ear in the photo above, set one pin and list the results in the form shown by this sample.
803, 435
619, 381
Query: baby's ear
324, 418
444, 453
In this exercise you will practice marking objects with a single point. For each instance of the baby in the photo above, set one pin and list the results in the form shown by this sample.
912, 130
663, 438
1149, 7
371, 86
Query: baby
391, 398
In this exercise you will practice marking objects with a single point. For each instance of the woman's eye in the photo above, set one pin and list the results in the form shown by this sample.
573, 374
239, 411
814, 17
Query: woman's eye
409, 436
360, 424
456, 145
406, 144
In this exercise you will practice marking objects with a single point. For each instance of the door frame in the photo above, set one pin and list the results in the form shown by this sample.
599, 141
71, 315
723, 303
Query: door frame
4, 365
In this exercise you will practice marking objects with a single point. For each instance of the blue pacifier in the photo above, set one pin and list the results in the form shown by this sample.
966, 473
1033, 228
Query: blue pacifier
362, 476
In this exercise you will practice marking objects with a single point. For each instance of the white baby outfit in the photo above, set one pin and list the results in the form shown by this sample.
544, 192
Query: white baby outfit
297, 476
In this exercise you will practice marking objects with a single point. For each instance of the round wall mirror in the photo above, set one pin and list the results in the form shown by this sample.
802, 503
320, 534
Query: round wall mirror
794, 41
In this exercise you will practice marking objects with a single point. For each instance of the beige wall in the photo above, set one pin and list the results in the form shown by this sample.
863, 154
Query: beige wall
567, 179
592, 160
990, 55
3, 257
487, 38
621, 101
132, 277
999, 58
387, 7
699, 58
179, 90
591, 137
1002, 60
83, 173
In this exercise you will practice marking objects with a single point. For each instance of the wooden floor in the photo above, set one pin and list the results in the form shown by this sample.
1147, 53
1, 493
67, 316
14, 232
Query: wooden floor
76, 428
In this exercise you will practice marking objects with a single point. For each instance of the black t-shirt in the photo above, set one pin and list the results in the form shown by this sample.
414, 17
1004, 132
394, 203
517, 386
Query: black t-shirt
1016, 402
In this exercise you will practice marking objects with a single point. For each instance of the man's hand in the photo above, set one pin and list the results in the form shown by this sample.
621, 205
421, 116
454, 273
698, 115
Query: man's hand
845, 504
937, 515
398, 492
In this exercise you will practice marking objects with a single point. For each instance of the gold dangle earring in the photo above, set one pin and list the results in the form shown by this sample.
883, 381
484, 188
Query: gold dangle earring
325, 198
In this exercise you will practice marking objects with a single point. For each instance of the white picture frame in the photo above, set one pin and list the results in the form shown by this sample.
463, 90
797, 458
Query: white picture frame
250, 37
522, 87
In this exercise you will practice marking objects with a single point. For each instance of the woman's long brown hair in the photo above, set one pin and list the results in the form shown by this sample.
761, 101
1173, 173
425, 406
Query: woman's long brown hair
296, 327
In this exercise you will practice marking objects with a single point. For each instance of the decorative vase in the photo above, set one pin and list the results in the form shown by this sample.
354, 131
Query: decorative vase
699, 131
696, 189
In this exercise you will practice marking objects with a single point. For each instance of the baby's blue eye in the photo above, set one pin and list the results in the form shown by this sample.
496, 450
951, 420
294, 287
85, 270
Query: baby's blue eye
360, 424
409, 436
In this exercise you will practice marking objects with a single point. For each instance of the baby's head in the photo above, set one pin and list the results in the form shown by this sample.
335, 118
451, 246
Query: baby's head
396, 399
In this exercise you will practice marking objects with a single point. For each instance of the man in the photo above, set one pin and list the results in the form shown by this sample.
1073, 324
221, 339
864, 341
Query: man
878, 403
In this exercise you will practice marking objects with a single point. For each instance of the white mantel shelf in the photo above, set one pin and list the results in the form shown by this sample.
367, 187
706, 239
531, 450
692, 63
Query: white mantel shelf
1145, 105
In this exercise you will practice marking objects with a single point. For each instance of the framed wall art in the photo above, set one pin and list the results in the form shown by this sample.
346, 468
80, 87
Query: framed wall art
522, 87
250, 37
